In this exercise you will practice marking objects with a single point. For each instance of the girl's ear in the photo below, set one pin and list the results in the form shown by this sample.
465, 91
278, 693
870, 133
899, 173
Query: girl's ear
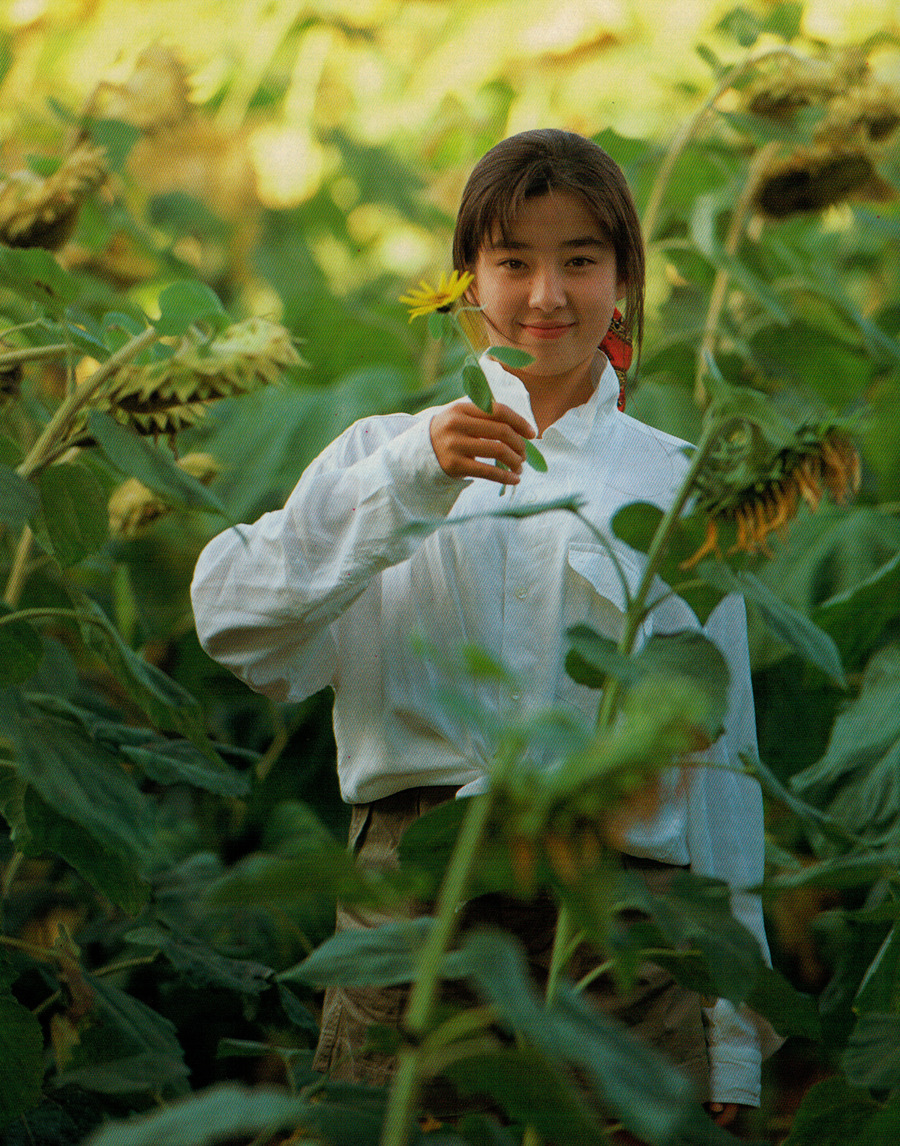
471, 295
621, 289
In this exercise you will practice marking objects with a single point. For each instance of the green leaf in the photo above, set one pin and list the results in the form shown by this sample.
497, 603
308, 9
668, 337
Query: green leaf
476, 386
849, 871
75, 512
180, 762
224, 1112
833, 1114
790, 1012
21, 1060
511, 356
790, 625
186, 304
858, 778
857, 618
379, 957
21, 651
83, 782
18, 499
36, 275
531, 1091
200, 966
634, 1083
689, 655
132, 455
785, 20
169, 706
534, 457
880, 989
113, 874
116, 137
127, 1048
872, 1058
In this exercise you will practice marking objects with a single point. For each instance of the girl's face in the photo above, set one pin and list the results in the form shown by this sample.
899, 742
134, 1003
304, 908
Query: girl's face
550, 291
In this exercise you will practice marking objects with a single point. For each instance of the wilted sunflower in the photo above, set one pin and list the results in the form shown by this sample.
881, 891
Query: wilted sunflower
425, 298
757, 492
163, 397
813, 178
42, 212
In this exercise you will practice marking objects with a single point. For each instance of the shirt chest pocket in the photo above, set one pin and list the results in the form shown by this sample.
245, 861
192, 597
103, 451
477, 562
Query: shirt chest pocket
597, 589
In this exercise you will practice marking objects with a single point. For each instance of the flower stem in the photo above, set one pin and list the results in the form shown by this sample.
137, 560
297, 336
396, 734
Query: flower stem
60, 424
407, 1082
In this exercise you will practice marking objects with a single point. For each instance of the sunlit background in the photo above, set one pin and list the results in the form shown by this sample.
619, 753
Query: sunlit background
435, 80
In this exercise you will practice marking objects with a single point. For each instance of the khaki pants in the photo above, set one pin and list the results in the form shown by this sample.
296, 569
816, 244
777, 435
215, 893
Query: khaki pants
667, 1016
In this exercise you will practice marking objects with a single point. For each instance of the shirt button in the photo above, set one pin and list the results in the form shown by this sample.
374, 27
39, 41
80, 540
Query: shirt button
521, 592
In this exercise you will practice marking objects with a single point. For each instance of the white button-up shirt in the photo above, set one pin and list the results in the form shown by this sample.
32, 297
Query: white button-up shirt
339, 588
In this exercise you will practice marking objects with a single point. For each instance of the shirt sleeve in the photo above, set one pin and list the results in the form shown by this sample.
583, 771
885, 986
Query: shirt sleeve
726, 839
266, 596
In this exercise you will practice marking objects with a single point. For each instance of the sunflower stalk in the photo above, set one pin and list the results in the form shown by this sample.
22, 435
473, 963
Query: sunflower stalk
57, 430
407, 1083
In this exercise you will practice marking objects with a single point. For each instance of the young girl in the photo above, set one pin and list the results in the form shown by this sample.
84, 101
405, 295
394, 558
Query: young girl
328, 590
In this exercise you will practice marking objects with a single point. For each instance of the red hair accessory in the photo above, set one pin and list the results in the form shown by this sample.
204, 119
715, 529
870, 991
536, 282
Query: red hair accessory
616, 345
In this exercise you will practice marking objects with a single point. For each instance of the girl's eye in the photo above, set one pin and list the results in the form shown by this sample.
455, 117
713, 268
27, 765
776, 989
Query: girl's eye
512, 264
581, 261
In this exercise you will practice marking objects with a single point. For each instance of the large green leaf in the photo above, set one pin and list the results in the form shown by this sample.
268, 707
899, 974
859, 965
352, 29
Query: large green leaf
36, 275
18, 499
858, 617
155, 468
790, 1012
531, 1090
125, 1047
21, 1059
184, 304
833, 1114
228, 1112
75, 512
633, 1083
858, 778
83, 782
21, 651
872, 1058
789, 624
200, 965
379, 956
112, 873
688, 654
169, 706
880, 989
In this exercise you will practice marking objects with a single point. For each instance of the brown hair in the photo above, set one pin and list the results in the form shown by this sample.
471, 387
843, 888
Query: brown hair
533, 163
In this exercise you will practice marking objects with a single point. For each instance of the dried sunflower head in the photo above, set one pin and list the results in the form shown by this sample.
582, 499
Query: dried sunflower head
42, 212
813, 178
753, 488
164, 397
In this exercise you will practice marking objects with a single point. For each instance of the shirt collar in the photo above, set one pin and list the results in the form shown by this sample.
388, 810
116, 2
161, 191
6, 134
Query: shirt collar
576, 424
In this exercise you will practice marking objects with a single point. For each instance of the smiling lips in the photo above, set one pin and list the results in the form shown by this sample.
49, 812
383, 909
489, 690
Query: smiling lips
556, 331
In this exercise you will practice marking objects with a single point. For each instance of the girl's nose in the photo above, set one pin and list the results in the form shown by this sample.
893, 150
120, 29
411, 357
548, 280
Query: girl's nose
547, 291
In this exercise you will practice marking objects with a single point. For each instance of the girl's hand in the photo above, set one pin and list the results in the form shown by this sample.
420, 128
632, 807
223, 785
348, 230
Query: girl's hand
723, 1113
461, 434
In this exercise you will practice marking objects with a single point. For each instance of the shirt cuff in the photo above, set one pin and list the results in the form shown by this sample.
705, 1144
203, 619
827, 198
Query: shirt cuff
425, 489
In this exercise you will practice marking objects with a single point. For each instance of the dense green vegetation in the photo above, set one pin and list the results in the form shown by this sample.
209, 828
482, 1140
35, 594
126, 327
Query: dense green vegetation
177, 343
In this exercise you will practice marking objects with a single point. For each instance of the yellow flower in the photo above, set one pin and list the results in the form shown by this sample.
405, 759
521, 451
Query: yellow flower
424, 299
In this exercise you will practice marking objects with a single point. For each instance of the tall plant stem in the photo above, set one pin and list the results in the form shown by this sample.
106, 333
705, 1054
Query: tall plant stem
24, 354
59, 425
18, 572
690, 129
723, 276
407, 1083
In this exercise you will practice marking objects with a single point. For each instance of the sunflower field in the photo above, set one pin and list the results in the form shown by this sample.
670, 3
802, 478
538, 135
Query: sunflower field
209, 212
